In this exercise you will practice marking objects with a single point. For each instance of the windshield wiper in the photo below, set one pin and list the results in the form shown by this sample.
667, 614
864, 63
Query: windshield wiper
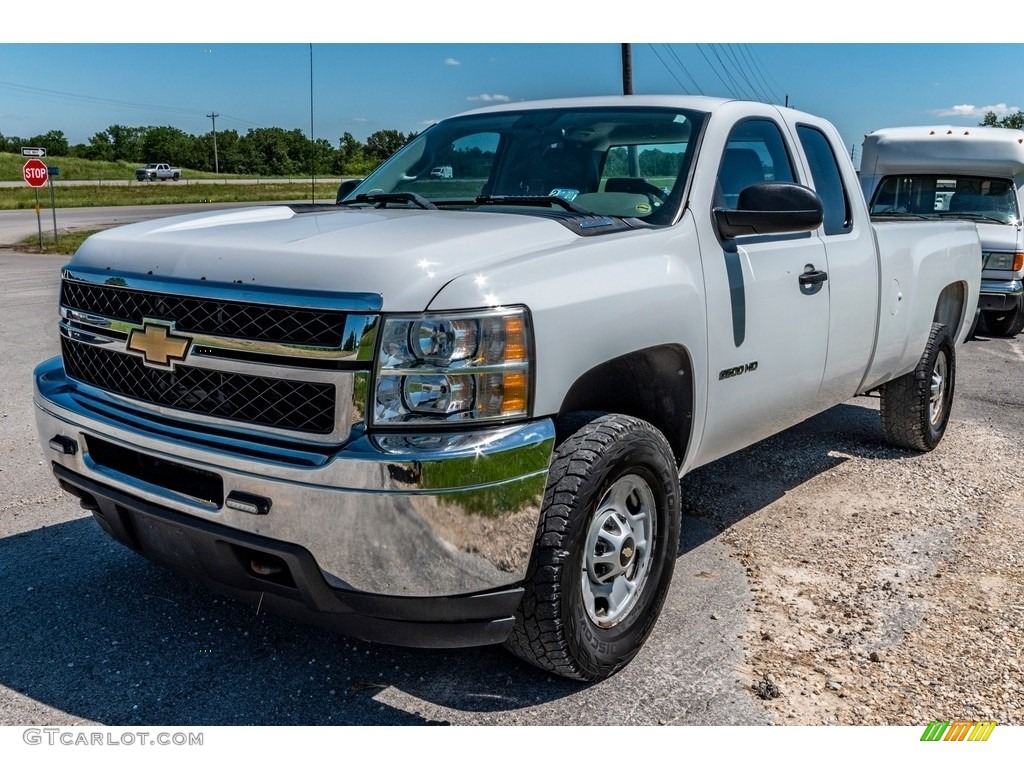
383, 198
900, 215
548, 200
971, 216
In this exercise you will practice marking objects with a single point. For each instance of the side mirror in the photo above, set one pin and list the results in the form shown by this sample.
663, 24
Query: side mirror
345, 189
771, 208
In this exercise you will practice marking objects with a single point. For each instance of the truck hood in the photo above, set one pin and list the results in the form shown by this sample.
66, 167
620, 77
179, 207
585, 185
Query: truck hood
999, 237
405, 256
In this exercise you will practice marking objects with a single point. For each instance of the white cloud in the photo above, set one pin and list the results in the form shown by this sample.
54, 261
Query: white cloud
489, 97
452, 62
969, 110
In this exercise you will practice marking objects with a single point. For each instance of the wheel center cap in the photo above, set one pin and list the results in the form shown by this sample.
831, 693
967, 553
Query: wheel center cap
627, 551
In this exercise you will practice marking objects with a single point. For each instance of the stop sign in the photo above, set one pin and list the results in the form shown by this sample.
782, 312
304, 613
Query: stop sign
35, 172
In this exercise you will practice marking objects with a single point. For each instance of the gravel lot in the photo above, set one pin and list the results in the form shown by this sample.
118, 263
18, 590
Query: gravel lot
823, 578
887, 586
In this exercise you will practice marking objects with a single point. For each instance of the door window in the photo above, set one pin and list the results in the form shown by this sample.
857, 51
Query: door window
754, 154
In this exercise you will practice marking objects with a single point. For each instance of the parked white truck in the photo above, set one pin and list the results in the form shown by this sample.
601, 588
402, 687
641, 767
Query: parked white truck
157, 172
970, 173
458, 420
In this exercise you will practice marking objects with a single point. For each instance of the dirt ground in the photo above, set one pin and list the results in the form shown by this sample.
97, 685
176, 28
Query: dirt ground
897, 594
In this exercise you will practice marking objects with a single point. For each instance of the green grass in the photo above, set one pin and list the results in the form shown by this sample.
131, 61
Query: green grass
67, 242
71, 168
162, 193
80, 169
194, 187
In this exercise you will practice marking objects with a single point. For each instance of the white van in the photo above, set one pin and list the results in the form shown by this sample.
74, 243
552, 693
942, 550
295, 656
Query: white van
441, 172
972, 173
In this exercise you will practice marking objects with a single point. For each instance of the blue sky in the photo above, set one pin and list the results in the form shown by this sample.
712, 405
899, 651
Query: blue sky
81, 79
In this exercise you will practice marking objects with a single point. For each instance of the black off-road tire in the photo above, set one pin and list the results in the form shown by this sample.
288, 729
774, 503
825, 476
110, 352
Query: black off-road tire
613, 491
1007, 324
915, 407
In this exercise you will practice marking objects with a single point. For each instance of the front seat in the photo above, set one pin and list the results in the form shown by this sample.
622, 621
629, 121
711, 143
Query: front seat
741, 168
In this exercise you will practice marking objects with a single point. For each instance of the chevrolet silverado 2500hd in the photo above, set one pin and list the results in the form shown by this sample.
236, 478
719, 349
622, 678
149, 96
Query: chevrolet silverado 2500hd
449, 412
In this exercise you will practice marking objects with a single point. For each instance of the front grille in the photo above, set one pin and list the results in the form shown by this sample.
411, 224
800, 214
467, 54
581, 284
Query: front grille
279, 403
259, 322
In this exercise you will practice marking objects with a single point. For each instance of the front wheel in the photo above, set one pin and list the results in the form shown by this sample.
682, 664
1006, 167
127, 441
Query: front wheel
604, 551
1007, 324
915, 407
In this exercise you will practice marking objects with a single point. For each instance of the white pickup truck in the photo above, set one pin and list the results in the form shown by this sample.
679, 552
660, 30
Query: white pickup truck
157, 172
455, 413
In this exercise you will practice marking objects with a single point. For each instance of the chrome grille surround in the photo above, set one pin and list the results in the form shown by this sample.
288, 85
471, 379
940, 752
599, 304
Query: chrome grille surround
285, 363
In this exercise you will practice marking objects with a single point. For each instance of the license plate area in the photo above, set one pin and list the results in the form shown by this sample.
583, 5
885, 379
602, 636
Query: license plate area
199, 484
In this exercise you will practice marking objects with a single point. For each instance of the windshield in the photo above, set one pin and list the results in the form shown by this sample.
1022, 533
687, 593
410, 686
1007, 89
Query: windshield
627, 161
969, 197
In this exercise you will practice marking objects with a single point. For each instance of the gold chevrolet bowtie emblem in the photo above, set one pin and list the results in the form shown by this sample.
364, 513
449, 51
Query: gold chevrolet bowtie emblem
157, 344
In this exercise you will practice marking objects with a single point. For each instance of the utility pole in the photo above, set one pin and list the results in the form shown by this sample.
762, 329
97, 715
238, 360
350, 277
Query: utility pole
312, 139
627, 90
627, 69
216, 165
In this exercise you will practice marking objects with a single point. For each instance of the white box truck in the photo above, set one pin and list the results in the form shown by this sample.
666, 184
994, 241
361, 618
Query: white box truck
971, 173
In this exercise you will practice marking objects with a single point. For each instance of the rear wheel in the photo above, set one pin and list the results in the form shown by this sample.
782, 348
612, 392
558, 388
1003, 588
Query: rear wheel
1008, 323
915, 407
604, 551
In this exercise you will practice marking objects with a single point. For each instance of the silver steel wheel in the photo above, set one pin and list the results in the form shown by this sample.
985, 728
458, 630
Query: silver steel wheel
937, 397
618, 551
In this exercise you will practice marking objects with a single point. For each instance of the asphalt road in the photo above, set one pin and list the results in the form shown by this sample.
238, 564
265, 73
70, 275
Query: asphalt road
94, 634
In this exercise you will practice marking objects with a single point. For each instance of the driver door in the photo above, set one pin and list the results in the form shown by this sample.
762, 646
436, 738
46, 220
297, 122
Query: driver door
767, 329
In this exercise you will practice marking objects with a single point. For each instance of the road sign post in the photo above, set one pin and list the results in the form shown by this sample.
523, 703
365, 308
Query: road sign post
36, 173
52, 171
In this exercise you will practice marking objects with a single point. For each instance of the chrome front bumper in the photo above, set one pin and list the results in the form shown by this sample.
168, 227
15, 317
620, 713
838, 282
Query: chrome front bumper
409, 515
1000, 295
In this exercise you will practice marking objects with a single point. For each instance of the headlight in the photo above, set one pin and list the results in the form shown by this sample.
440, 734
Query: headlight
453, 367
1010, 261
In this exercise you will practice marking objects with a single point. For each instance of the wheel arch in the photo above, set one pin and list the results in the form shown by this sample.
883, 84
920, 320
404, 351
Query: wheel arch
950, 308
654, 384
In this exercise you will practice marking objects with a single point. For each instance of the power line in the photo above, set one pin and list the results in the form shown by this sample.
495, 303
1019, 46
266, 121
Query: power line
744, 72
50, 96
758, 71
737, 90
761, 68
679, 61
669, 69
714, 69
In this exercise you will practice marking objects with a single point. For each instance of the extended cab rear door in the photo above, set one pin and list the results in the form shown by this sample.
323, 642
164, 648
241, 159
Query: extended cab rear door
852, 254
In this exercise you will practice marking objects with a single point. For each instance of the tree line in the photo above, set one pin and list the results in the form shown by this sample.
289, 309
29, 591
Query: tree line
1015, 120
259, 152
263, 151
